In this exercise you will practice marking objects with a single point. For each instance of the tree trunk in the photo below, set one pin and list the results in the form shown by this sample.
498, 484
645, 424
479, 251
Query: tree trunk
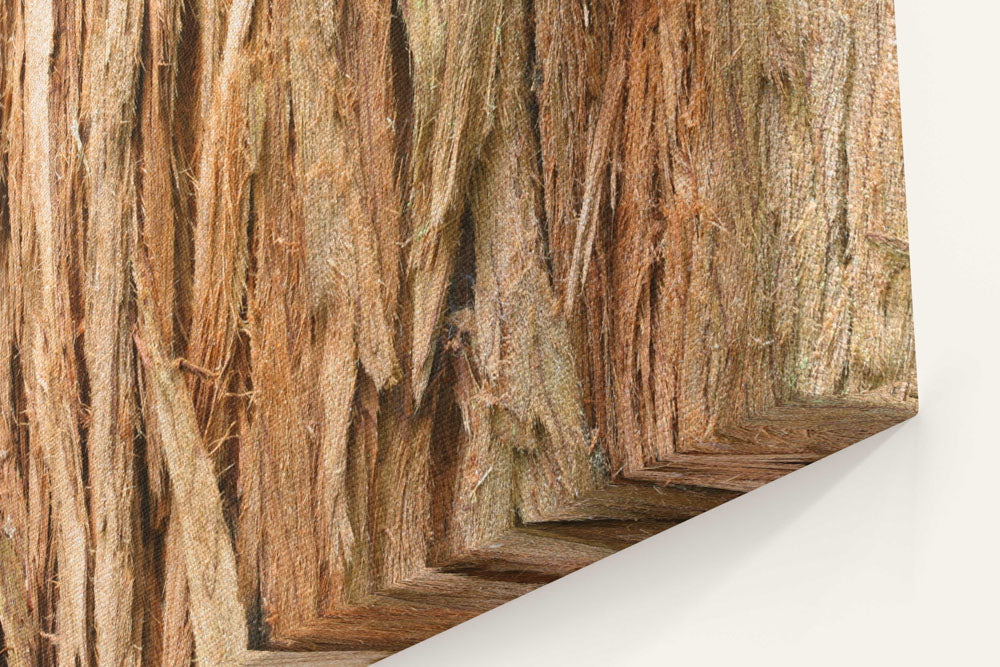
329, 326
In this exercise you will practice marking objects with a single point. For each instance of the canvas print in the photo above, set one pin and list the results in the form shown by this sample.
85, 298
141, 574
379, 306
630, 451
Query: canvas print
326, 326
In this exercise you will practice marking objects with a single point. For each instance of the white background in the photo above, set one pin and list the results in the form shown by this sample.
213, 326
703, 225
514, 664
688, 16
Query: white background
884, 554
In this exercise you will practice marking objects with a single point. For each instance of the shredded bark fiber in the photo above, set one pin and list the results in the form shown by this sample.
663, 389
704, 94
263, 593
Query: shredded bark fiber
332, 325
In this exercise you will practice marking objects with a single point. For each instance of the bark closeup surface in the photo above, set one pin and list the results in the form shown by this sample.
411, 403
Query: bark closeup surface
327, 326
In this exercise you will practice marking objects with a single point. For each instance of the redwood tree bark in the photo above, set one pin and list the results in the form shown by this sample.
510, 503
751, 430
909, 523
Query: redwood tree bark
332, 325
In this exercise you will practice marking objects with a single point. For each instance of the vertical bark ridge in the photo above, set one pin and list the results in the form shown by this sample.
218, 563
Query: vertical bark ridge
399, 502
323, 99
17, 623
110, 65
378, 240
283, 424
50, 212
227, 156
573, 45
176, 640
453, 47
217, 616
522, 340
163, 211
484, 475
359, 572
